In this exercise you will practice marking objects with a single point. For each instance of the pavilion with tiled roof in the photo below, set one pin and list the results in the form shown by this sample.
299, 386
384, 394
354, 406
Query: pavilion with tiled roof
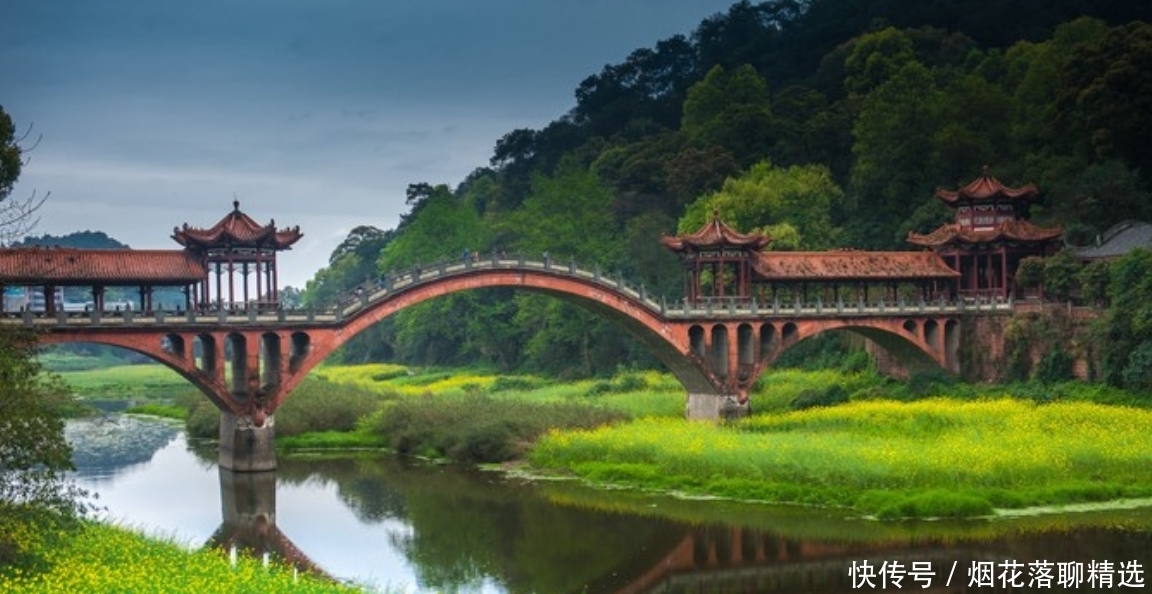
717, 257
234, 244
753, 272
989, 235
237, 243
47, 268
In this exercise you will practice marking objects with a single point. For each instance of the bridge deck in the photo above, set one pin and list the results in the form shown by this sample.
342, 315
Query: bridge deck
390, 285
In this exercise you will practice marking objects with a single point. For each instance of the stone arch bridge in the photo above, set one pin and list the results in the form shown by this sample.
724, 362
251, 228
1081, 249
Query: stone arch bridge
247, 362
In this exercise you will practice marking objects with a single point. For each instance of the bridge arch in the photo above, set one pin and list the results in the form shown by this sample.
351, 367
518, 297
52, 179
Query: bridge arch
919, 343
670, 342
176, 360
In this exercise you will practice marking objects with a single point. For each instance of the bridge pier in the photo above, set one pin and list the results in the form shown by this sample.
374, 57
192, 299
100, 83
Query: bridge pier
244, 446
711, 407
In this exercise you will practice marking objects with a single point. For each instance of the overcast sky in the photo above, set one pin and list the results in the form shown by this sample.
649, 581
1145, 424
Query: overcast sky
316, 113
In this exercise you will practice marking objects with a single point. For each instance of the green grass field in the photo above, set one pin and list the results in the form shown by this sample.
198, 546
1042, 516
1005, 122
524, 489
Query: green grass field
147, 381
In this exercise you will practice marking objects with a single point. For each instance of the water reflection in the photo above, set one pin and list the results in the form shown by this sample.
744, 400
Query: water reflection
392, 522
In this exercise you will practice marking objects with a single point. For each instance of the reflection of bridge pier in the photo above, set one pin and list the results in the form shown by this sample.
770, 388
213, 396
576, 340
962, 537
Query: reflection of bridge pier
724, 559
248, 508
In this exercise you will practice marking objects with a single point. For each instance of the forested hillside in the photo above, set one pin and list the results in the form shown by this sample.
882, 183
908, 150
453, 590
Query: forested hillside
827, 123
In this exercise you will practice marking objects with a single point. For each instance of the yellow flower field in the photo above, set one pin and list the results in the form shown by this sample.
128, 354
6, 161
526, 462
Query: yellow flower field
876, 454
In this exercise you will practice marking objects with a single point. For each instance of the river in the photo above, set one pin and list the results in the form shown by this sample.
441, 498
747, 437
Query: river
386, 522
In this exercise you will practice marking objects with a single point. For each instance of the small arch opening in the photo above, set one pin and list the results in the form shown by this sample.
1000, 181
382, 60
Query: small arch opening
696, 341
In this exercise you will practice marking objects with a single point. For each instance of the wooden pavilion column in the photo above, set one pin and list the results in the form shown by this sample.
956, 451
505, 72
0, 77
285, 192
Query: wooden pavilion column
49, 298
273, 281
244, 272
259, 284
219, 284
1004, 289
232, 281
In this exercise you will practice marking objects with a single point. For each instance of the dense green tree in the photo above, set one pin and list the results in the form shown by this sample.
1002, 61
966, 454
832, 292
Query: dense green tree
894, 141
1129, 322
649, 85
1030, 272
638, 174
765, 195
442, 229
1061, 275
697, 171
568, 215
1094, 278
35, 498
11, 155
17, 216
1107, 94
876, 58
731, 109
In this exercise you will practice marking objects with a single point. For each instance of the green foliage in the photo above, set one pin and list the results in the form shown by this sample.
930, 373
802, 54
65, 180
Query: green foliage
1094, 279
1137, 372
33, 453
10, 155
893, 133
477, 428
937, 503
1108, 97
730, 109
568, 215
442, 228
1054, 366
1128, 326
320, 405
800, 196
831, 396
1061, 275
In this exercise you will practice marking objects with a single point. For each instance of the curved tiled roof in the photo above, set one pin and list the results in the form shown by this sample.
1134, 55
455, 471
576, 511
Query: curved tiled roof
851, 265
237, 229
714, 234
71, 266
987, 188
1016, 230
1117, 241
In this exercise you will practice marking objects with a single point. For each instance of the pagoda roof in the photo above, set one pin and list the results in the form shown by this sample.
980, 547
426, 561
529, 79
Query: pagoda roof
851, 265
1010, 230
70, 266
987, 189
715, 234
237, 229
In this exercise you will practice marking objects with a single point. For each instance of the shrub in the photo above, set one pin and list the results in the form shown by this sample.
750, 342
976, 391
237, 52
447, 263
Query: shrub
476, 427
514, 383
320, 405
830, 396
1055, 366
935, 504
